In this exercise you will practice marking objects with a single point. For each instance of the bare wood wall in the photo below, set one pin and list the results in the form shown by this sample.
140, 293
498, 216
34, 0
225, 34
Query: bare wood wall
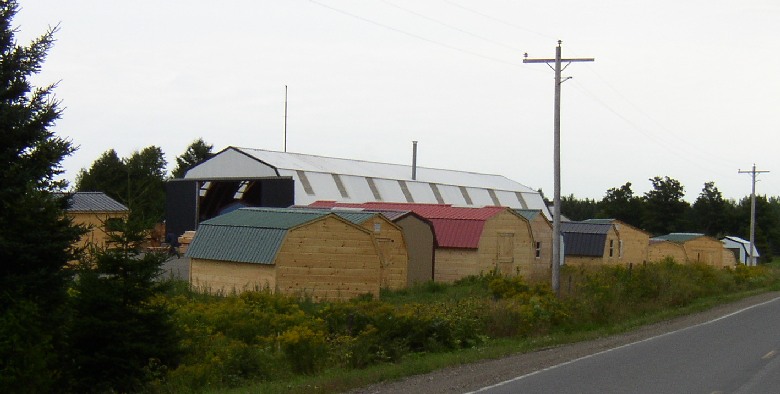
223, 277
328, 259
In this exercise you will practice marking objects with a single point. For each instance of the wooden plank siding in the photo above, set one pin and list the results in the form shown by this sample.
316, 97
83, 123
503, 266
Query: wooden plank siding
392, 252
350, 269
541, 228
659, 250
705, 250
224, 277
506, 244
632, 244
96, 226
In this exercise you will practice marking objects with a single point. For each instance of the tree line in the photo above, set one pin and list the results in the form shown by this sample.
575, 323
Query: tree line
662, 210
138, 181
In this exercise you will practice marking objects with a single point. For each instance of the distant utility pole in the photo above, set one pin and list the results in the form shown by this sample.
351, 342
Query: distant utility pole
753, 173
556, 255
285, 118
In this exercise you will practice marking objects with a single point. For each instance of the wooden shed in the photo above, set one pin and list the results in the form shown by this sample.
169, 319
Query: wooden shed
541, 228
418, 235
659, 249
698, 248
471, 241
633, 243
590, 243
323, 255
97, 212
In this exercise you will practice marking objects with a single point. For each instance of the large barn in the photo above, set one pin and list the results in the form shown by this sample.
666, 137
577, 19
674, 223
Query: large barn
237, 177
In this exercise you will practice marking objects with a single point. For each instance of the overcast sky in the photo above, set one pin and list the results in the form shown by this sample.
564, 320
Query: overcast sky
679, 88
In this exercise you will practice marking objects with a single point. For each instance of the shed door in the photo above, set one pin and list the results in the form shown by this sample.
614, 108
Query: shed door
385, 251
506, 252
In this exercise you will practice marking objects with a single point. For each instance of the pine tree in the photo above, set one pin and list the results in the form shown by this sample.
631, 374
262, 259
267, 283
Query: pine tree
121, 336
35, 235
197, 152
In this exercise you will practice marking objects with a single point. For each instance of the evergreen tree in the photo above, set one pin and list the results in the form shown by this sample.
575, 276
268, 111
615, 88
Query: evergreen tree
121, 335
197, 152
35, 235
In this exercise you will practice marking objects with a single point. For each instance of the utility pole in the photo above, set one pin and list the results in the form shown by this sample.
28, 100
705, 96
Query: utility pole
556, 255
753, 173
285, 118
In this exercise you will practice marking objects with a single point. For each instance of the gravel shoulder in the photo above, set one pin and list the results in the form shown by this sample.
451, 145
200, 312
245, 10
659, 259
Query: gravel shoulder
469, 377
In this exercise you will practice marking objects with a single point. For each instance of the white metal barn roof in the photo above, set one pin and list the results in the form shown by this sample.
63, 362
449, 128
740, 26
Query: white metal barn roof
325, 178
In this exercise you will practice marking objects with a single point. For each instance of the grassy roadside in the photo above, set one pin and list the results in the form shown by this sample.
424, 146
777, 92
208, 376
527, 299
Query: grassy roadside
262, 343
341, 380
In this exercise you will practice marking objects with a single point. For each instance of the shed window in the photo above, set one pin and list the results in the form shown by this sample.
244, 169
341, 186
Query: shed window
611, 247
506, 246
538, 250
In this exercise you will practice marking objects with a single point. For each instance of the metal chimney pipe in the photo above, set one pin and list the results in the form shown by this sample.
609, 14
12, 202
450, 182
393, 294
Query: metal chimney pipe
414, 160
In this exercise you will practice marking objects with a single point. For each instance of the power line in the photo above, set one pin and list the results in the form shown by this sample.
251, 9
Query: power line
663, 128
413, 35
473, 11
486, 39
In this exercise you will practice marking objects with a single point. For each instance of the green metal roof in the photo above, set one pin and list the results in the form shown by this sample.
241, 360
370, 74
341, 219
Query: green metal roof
283, 218
265, 218
529, 214
236, 243
255, 235
677, 237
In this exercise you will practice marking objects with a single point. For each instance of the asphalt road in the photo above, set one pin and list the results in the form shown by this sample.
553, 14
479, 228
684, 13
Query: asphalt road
735, 353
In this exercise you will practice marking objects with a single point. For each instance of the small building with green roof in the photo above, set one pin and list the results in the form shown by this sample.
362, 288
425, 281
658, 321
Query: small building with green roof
687, 248
313, 253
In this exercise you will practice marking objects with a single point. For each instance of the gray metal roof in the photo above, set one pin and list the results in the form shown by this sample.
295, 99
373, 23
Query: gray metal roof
94, 202
598, 221
584, 244
355, 181
585, 228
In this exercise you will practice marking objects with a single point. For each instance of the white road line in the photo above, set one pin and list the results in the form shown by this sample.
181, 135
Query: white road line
621, 347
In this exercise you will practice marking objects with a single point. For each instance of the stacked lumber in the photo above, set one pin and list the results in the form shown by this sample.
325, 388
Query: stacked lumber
185, 240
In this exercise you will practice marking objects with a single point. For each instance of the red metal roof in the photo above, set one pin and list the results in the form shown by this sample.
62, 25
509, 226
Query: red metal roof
455, 227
